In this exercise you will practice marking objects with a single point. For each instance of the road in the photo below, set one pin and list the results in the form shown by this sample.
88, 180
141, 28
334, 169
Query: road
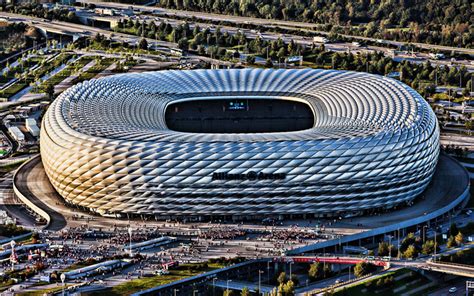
84, 30
416, 57
263, 22
323, 284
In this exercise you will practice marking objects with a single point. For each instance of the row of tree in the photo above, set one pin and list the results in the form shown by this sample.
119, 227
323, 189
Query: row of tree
35, 9
216, 44
431, 21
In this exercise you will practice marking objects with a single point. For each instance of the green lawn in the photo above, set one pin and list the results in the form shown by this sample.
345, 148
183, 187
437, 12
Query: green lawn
43, 292
144, 283
66, 72
361, 289
13, 89
95, 70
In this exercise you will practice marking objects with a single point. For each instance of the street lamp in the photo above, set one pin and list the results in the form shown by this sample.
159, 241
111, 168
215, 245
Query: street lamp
260, 281
390, 246
194, 292
130, 234
398, 244
424, 232
175, 290
227, 287
13, 255
214, 286
291, 263
268, 271
63, 278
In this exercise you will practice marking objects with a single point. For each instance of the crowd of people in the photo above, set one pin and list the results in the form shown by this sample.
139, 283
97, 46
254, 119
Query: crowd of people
222, 233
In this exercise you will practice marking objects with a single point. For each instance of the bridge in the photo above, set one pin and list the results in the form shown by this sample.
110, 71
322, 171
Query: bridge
450, 268
332, 260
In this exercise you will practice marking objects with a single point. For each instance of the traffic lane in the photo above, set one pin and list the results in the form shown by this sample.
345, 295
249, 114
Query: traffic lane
459, 285
324, 283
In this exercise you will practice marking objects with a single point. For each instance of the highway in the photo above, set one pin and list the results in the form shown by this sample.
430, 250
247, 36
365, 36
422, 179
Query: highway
263, 22
89, 31
81, 30
343, 47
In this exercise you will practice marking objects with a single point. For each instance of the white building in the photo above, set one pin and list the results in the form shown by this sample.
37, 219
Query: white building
16, 133
32, 127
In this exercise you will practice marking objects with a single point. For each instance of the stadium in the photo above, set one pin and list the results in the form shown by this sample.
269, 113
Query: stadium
240, 143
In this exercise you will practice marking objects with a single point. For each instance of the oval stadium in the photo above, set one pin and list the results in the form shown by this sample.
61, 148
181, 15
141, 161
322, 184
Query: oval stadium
240, 143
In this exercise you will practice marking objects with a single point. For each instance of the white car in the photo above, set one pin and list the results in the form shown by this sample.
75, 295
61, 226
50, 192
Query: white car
453, 290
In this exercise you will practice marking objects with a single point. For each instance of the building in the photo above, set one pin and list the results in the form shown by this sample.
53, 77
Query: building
241, 143
16, 133
32, 127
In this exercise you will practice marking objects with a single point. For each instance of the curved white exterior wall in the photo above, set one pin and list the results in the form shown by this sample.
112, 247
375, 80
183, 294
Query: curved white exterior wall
105, 146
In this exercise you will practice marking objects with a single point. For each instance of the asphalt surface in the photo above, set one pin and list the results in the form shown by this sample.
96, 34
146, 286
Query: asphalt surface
26, 182
259, 21
449, 181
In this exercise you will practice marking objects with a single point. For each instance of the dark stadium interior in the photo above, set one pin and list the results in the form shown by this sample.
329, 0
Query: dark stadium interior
239, 115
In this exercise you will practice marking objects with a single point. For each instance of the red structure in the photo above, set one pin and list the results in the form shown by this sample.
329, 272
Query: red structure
334, 260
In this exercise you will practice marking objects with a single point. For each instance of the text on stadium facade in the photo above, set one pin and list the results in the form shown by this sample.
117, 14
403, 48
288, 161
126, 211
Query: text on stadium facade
251, 176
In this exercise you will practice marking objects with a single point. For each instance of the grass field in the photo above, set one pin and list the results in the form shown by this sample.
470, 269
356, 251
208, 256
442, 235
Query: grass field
43, 291
66, 72
95, 70
369, 287
144, 283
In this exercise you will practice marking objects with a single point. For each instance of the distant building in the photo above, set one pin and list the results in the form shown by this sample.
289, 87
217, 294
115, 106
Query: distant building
32, 127
67, 2
3, 23
16, 133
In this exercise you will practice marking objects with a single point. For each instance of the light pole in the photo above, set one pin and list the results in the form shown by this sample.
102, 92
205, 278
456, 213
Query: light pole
268, 272
13, 255
291, 263
130, 234
194, 292
175, 290
214, 286
63, 278
398, 244
424, 232
390, 246
227, 287
260, 282
435, 245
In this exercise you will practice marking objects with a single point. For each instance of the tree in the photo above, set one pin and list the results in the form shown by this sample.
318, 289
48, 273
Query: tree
268, 63
228, 293
250, 59
363, 268
315, 271
289, 288
410, 252
459, 238
453, 229
143, 44
450, 243
245, 292
282, 278
281, 53
183, 43
383, 249
294, 279
49, 90
428, 247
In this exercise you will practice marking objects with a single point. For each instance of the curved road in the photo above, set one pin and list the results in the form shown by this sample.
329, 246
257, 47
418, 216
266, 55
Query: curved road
28, 181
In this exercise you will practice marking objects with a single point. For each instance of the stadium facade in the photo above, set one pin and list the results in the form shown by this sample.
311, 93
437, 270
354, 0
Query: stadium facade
239, 143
